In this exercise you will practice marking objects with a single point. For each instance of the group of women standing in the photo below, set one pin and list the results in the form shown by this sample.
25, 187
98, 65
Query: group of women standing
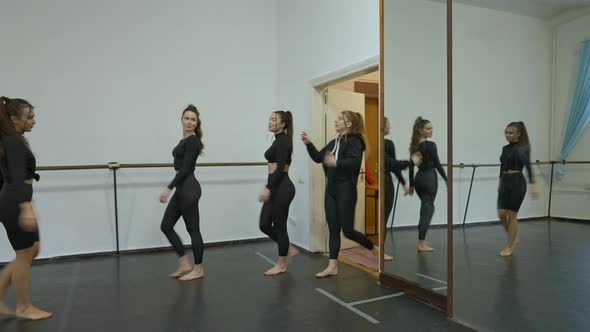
341, 159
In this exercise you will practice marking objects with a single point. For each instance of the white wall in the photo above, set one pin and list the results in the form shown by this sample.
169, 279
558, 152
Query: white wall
571, 194
109, 80
502, 73
316, 38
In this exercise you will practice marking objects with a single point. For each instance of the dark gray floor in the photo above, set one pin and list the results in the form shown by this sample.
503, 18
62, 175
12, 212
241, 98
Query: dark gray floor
132, 293
426, 269
544, 286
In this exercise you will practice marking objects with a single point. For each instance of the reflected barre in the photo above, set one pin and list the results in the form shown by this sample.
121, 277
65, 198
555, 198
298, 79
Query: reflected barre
475, 166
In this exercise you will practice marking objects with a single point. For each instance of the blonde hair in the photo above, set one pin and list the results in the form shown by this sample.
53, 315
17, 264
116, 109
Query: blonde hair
358, 126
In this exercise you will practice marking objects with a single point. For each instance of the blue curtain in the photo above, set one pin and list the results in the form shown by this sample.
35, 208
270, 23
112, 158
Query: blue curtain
579, 115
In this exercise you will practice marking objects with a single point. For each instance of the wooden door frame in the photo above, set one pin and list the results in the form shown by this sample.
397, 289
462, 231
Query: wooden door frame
318, 231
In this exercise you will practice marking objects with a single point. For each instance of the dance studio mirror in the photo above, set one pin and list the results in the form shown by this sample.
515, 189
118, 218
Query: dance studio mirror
415, 113
518, 62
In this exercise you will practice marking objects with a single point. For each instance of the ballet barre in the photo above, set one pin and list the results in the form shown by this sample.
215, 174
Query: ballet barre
114, 166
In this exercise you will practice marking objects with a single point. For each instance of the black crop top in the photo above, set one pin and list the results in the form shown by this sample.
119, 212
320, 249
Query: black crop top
17, 165
185, 157
392, 165
349, 159
280, 153
516, 157
430, 160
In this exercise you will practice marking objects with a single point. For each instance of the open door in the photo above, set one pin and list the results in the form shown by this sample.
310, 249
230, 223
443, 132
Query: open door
336, 101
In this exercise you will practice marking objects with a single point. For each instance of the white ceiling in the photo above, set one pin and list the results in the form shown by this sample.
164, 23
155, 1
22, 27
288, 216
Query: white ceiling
546, 9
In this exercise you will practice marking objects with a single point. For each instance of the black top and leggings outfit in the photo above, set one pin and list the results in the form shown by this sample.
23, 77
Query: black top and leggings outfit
17, 165
426, 184
185, 201
392, 165
341, 193
515, 157
275, 211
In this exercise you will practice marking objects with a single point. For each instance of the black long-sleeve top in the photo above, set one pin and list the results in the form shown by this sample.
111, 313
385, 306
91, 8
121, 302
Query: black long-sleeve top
430, 160
280, 153
17, 165
349, 158
516, 157
185, 157
392, 165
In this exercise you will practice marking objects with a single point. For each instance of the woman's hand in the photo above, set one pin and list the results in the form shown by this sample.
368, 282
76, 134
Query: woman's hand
264, 195
533, 190
164, 195
305, 138
330, 160
27, 219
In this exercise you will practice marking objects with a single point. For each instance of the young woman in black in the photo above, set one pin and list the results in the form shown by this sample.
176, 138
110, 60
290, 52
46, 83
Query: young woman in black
425, 183
279, 191
185, 201
342, 159
17, 171
512, 186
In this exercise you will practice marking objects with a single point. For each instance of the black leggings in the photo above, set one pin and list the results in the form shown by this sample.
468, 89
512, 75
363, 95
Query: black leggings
275, 212
339, 204
426, 184
389, 196
9, 213
185, 203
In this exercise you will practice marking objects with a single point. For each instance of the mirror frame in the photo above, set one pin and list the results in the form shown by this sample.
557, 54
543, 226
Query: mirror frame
412, 289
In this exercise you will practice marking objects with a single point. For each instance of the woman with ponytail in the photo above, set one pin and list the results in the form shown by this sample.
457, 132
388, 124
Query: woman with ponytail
17, 169
342, 159
279, 191
426, 181
512, 187
185, 201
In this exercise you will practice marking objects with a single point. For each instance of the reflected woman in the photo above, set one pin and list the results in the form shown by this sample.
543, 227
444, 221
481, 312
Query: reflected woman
425, 183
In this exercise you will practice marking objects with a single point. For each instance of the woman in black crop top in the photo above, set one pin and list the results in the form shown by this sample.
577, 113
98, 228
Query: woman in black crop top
512, 187
279, 191
341, 159
17, 171
426, 182
185, 201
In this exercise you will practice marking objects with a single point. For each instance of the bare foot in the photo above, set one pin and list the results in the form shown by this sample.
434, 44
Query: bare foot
184, 266
387, 257
506, 252
33, 313
293, 251
424, 248
196, 273
329, 271
276, 270
180, 271
5, 310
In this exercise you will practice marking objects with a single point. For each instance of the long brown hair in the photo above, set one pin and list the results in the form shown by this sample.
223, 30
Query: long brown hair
198, 129
524, 135
358, 126
8, 108
287, 119
419, 124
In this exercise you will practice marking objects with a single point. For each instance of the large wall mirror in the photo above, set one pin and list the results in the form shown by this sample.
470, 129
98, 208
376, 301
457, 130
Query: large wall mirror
414, 139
